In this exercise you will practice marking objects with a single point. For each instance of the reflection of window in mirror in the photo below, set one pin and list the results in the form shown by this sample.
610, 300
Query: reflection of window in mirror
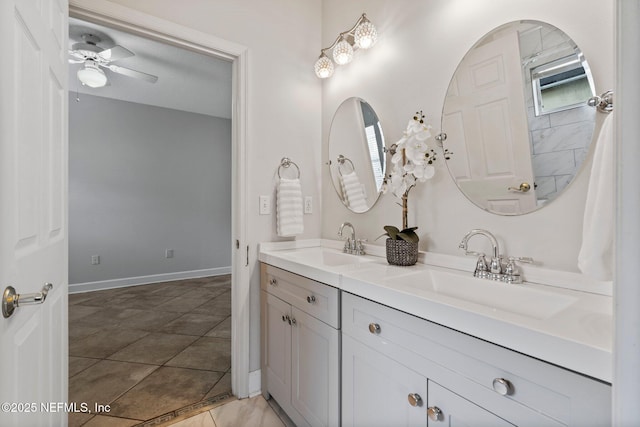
375, 142
560, 85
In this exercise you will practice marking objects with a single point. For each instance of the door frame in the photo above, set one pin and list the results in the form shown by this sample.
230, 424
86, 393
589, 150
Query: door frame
123, 18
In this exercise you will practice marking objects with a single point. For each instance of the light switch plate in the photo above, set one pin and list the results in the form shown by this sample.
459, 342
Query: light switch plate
308, 204
265, 205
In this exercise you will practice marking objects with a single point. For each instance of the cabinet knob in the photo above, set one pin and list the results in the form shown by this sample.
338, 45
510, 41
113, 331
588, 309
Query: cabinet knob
293, 321
502, 386
273, 281
284, 318
414, 399
374, 328
311, 299
434, 413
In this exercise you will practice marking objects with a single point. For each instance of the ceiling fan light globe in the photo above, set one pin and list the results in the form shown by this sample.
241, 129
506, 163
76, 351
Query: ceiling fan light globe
92, 77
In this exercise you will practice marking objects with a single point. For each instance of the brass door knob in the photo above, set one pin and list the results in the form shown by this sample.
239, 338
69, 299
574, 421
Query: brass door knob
523, 188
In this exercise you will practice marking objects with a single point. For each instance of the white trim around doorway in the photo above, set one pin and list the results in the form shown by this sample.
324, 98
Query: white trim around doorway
123, 18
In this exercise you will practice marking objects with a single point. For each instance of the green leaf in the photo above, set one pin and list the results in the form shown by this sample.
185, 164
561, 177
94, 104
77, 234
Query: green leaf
408, 235
406, 230
392, 231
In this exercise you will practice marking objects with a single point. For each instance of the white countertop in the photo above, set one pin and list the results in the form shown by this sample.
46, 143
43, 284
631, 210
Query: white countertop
566, 327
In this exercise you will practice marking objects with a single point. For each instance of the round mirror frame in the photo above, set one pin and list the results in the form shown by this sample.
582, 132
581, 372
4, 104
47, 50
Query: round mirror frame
511, 175
357, 168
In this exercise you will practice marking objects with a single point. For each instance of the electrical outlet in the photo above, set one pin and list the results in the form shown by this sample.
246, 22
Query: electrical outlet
265, 205
95, 259
308, 204
168, 253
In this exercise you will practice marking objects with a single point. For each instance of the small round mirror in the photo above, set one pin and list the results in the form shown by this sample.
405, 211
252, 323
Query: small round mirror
356, 155
516, 117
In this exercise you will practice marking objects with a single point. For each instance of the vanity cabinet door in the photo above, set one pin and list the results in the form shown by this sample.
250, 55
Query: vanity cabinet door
301, 347
446, 408
315, 365
276, 347
378, 391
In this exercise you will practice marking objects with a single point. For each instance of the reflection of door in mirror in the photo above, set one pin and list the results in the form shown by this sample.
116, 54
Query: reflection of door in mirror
356, 156
485, 102
557, 87
497, 135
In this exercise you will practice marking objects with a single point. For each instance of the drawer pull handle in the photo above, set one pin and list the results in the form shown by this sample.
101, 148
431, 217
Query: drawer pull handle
374, 328
434, 413
273, 281
502, 386
414, 399
311, 299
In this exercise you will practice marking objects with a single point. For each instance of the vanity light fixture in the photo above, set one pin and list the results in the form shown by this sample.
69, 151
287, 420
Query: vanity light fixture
362, 35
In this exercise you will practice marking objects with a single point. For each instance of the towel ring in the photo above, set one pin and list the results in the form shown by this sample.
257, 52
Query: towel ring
286, 163
604, 102
341, 159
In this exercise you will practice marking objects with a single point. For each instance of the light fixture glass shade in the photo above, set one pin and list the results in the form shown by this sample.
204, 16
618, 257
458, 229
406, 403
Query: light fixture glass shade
365, 35
343, 52
92, 76
324, 67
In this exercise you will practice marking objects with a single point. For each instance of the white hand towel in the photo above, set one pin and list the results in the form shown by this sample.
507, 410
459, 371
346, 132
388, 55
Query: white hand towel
289, 207
353, 192
596, 254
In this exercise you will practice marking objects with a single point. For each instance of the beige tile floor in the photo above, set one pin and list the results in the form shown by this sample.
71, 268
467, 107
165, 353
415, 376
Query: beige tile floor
151, 352
253, 412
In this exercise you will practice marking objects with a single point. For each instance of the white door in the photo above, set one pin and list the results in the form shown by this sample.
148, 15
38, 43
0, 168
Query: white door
33, 210
376, 389
487, 128
276, 350
315, 367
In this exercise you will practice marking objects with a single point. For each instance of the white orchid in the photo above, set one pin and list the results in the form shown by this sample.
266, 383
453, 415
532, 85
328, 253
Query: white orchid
413, 158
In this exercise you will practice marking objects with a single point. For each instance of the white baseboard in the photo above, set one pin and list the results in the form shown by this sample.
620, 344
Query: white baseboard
144, 280
255, 380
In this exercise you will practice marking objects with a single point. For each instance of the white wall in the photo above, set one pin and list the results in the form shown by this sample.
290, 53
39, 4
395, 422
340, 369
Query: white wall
284, 104
419, 47
143, 179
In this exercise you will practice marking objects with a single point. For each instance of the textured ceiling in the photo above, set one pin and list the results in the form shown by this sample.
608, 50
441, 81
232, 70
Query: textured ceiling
187, 80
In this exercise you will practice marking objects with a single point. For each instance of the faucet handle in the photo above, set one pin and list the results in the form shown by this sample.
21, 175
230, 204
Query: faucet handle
512, 273
482, 270
359, 246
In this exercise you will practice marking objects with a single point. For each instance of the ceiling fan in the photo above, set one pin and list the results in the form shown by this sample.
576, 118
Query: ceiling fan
94, 57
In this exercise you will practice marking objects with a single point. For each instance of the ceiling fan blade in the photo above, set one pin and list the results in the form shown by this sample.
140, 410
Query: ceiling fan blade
76, 54
76, 61
132, 73
115, 53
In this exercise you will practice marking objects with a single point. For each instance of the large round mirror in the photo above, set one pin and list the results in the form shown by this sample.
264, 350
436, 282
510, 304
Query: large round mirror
516, 117
356, 155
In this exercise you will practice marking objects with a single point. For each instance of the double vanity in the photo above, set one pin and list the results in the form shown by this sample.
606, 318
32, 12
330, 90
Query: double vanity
351, 340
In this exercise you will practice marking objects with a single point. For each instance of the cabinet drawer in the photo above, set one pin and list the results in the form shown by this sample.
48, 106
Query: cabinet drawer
317, 299
445, 356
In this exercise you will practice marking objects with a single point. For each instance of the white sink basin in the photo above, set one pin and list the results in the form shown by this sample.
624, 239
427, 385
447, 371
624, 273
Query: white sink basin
327, 257
518, 299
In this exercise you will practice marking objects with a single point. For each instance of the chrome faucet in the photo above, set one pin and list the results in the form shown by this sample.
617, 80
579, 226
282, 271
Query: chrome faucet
487, 234
496, 270
351, 245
